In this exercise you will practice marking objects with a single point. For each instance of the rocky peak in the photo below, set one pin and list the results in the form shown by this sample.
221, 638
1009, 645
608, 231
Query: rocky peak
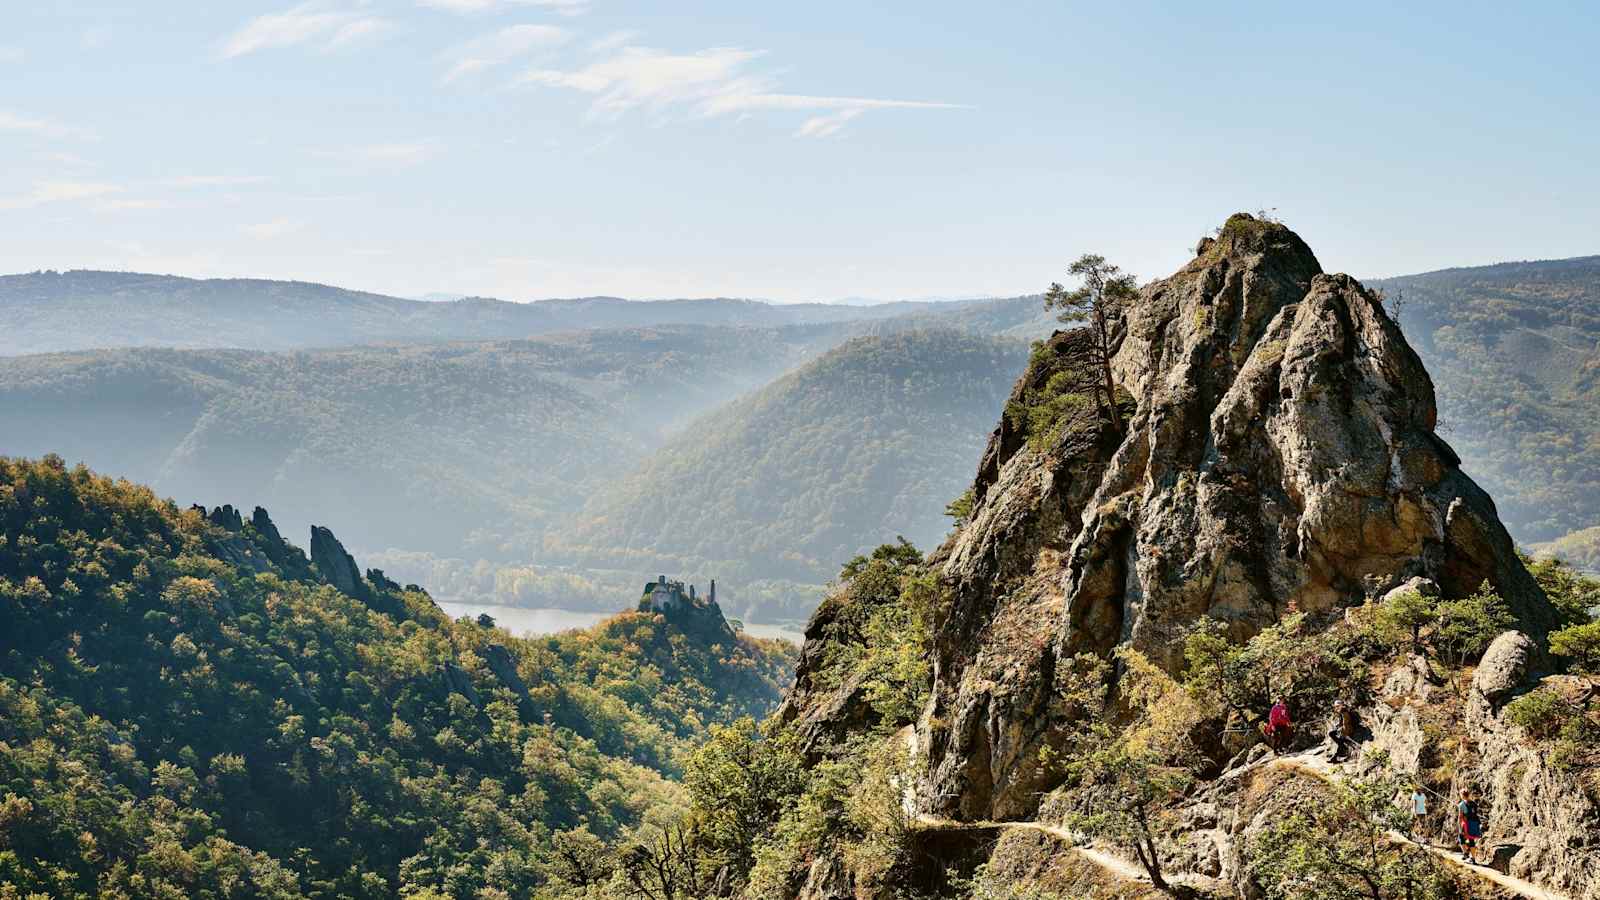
336, 564
226, 518
1279, 452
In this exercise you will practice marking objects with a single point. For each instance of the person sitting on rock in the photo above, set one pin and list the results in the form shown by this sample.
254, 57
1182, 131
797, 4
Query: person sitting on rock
1280, 729
1471, 826
1344, 731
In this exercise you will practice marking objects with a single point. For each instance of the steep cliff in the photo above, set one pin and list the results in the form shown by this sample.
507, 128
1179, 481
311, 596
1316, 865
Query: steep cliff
1281, 454
1277, 470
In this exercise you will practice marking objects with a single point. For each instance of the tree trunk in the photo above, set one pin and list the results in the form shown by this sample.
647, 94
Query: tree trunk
1103, 339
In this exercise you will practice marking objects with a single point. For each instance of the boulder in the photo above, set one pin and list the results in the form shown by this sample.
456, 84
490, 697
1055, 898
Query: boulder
1415, 584
291, 560
226, 518
504, 667
1504, 667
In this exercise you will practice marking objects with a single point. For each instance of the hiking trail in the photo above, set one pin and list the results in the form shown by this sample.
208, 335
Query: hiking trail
1306, 762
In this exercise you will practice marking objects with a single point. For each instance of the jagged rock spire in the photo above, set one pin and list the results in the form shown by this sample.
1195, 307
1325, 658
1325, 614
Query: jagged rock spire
1280, 452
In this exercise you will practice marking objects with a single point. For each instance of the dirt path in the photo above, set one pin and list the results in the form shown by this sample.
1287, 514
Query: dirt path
1515, 885
1322, 769
1306, 762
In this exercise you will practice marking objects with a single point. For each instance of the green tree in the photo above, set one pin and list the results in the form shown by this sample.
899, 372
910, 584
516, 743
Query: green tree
740, 784
1467, 625
1336, 844
1104, 292
1406, 613
1580, 645
1574, 594
1121, 781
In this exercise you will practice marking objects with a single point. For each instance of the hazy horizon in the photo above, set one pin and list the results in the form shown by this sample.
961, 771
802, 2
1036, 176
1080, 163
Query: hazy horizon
567, 148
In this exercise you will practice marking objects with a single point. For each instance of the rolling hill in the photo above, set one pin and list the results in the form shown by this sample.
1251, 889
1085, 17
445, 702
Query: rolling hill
1514, 351
452, 448
863, 445
191, 708
48, 312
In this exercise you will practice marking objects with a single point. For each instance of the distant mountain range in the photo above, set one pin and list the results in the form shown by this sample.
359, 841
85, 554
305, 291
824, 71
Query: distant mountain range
465, 464
1514, 351
48, 312
553, 453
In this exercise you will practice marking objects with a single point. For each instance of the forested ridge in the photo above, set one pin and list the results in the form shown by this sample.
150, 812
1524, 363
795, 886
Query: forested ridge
865, 444
190, 709
492, 440
42, 312
1514, 351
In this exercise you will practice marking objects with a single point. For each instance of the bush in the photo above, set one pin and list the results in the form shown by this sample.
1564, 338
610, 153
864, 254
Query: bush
1580, 644
1467, 625
1541, 713
1403, 616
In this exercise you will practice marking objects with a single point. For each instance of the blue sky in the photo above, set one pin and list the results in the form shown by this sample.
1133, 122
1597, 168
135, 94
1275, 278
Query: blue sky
788, 151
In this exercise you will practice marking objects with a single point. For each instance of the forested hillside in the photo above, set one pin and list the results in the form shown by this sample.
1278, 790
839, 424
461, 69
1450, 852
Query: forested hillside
868, 443
189, 707
1514, 351
46, 312
456, 449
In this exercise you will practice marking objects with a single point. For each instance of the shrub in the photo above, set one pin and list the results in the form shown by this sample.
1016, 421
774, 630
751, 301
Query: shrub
1580, 644
1467, 625
1403, 616
1541, 713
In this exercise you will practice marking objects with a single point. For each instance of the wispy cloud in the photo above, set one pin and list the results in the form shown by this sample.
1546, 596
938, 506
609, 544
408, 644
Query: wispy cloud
613, 40
45, 128
314, 22
46, 192
828, 125
204, 181
500, 47
707, 84
398, 155
564, 7
266, 231
640, 76
12, 55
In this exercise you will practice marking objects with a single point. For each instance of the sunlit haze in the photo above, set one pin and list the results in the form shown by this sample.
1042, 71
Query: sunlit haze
538, 148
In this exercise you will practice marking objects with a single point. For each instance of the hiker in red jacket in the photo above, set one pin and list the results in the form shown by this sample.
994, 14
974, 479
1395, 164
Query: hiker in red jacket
1279, 730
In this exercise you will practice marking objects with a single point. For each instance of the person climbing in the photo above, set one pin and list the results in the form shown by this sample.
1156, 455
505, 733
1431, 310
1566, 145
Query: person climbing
1419, 814
1471, 826
1280, 729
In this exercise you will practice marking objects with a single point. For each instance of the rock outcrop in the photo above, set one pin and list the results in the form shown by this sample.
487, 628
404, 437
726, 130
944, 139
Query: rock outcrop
1279, 453
289, 558
336, 564
504, 666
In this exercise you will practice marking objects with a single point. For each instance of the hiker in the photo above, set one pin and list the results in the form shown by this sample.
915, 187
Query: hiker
1345, 726
1279, 730
1419, 814
1471, 826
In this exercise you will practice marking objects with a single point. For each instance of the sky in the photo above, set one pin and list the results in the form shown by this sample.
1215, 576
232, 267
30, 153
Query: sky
791, 151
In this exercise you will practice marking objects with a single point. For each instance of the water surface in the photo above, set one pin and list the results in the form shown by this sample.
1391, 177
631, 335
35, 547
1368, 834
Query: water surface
535, 622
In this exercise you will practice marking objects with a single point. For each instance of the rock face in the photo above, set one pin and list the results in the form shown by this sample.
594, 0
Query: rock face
1279, 452
336, 564
504, 667
284, 555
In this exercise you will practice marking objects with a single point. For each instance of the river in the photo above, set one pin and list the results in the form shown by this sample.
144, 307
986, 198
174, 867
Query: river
534, 622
